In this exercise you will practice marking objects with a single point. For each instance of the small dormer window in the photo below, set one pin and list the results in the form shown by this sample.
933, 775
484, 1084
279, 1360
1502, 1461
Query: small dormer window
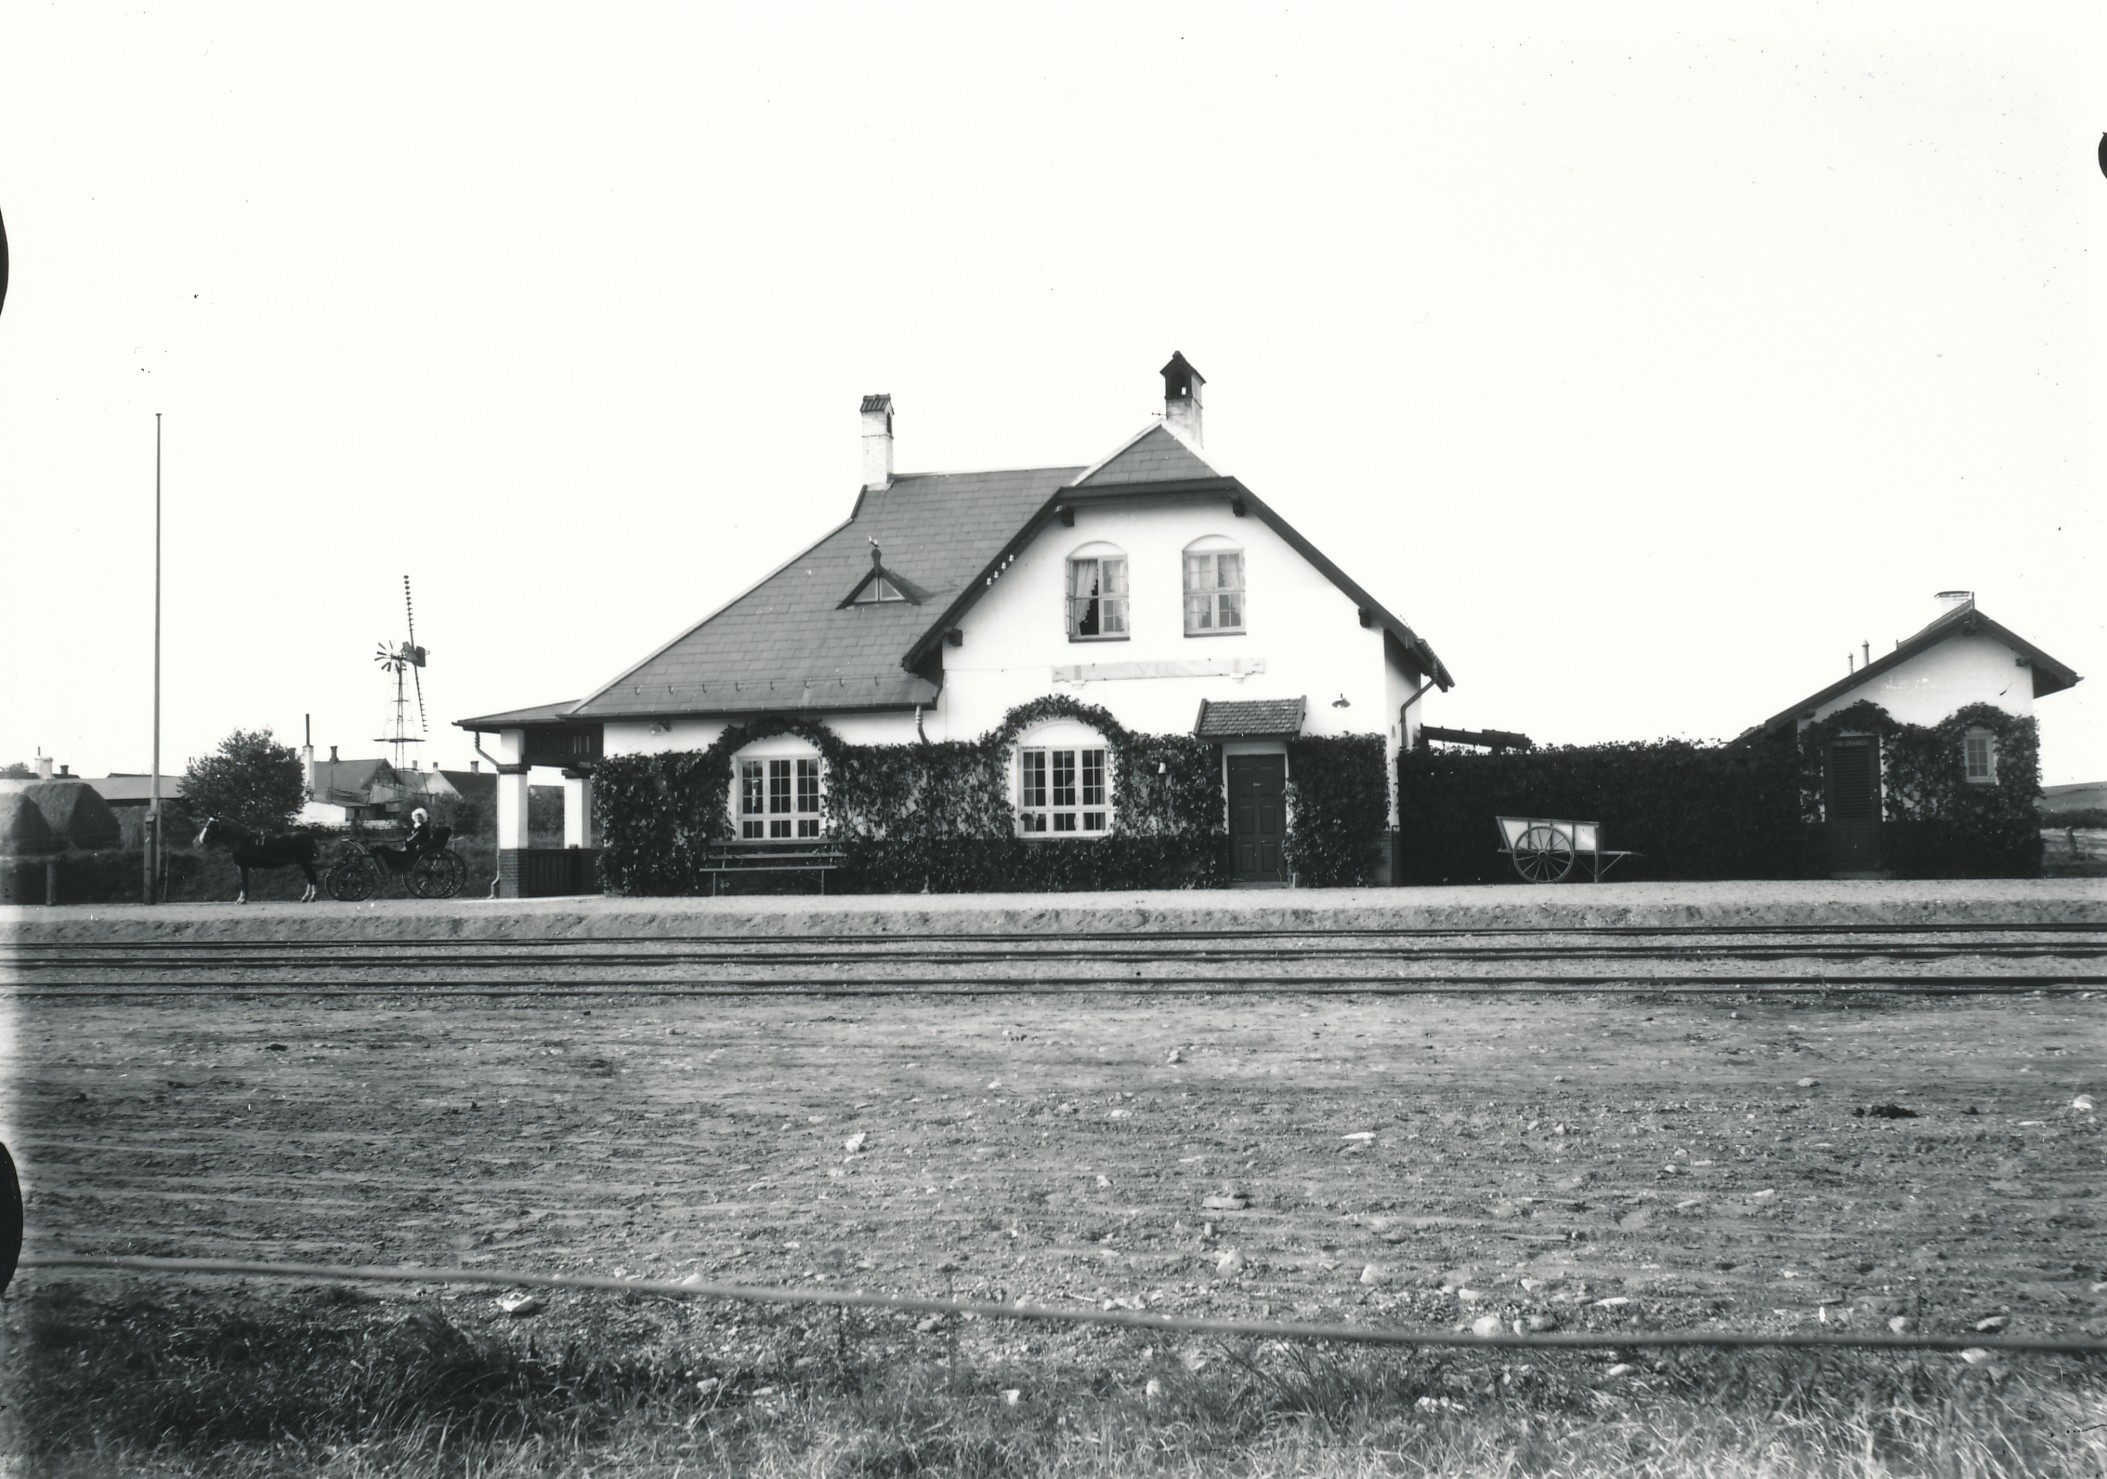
1979, 757
879, 589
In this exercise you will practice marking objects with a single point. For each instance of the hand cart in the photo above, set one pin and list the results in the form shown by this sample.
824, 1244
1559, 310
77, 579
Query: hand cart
1544, 849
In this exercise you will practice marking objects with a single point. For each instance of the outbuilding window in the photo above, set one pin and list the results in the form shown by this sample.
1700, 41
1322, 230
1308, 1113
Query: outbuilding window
779, 799
1097, 594
1979, 757
1214, 587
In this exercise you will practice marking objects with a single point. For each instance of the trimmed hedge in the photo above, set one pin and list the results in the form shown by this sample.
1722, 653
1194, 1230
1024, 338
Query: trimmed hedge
1691, 811
937, 817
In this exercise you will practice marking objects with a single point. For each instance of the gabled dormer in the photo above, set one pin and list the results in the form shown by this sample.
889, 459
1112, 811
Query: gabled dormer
882, 587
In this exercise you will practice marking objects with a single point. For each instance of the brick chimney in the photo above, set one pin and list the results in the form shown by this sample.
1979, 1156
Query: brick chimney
43, 767
877, 441
1181, 399
1954, 600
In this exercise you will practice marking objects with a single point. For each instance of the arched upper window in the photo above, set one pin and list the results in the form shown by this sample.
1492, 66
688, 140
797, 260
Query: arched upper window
1097, 593
1214, 586
776, 790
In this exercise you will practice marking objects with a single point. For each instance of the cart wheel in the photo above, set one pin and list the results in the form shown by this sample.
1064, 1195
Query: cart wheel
1543, 854
437, 875
352, 877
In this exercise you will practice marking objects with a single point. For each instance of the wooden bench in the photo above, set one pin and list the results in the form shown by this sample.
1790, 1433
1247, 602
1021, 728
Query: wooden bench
815, 855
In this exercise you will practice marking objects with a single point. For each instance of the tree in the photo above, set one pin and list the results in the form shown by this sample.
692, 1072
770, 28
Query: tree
253, 780
15, 770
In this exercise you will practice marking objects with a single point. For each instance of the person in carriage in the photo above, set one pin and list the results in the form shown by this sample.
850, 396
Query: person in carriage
414, 846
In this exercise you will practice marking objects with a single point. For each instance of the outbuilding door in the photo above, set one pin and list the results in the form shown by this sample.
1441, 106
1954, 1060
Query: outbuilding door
1852, 803
1258, 818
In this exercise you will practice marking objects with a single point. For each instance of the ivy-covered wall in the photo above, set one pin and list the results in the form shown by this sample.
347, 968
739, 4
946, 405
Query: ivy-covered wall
934, 817
1935, 822
1338, 809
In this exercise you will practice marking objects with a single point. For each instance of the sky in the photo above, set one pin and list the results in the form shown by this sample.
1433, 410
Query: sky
1647, 360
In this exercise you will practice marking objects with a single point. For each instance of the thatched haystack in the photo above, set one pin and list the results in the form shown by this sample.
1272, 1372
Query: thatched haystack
76, 812
23, 830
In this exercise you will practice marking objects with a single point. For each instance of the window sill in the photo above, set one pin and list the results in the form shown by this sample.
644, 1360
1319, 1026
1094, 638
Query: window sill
1219, 632
1122, 637
1064, 836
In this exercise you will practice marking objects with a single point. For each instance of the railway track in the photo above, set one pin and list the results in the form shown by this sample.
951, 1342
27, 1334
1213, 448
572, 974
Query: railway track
1913, 958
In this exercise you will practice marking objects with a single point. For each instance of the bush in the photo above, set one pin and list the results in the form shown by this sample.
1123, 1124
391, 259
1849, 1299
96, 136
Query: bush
2085, 816
1339, 808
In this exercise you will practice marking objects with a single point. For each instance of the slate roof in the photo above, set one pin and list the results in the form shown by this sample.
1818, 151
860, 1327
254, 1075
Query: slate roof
1157, 455
538, 714
350, 776
789, 643
135, 790
1259, 718
1965, 620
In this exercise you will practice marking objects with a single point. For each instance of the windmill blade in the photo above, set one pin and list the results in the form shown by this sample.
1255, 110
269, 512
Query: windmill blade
418, 674
409, 610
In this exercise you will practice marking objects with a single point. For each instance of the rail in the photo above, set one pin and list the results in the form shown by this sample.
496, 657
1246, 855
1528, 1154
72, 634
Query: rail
1132, 1319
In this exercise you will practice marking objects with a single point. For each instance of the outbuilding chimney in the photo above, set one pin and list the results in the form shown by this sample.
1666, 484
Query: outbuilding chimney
877, 441
1181, 399
1954, 600
43, 767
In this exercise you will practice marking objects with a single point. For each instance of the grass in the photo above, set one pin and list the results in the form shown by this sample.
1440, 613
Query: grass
285, 1381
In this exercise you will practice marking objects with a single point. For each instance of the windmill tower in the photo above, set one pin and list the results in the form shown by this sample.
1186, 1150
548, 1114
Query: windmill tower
407, 659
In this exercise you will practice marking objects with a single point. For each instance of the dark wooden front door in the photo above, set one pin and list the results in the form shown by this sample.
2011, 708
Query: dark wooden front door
1258, 817
1852, 803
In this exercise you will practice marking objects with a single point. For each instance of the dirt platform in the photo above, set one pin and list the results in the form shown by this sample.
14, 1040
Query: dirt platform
1766, 904
1606, 1163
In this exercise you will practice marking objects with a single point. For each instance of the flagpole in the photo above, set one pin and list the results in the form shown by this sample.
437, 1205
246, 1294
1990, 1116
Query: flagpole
153, 839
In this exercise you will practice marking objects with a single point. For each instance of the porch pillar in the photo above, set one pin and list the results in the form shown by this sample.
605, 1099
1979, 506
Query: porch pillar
579, 829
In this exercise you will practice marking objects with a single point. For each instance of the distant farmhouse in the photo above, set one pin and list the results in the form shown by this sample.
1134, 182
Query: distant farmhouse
1147, 583
1963, 671
373, 792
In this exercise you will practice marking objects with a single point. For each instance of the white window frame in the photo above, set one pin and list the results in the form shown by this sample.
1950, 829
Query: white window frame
1204, 603
1107, 564
789, 783
1988, 774
1063, 779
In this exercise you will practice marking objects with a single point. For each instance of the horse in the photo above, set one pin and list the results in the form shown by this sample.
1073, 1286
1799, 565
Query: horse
287, 850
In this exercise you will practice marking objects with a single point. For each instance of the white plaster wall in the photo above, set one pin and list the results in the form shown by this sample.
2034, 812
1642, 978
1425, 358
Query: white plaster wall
635, 737
1304, 629
1957, 672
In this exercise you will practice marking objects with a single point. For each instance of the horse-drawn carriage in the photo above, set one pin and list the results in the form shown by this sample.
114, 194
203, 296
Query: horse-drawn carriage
432, 871
427, 866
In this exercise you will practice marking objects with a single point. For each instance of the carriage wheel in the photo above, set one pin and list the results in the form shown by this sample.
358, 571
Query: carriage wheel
437, 875
352, 877
1543, 855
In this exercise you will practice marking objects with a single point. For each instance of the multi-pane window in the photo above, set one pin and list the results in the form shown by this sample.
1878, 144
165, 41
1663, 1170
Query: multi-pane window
1097, 597
1214, 591
1063, 791
778, 799
1979, 756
